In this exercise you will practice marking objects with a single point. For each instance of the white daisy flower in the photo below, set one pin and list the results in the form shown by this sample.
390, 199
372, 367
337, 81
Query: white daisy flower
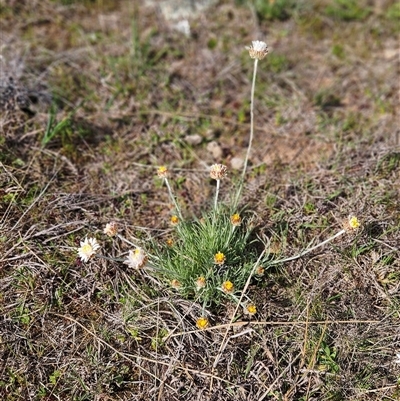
88, 248
136, 259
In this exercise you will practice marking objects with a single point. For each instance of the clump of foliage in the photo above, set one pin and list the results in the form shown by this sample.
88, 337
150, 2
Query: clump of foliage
347, 10
214, 256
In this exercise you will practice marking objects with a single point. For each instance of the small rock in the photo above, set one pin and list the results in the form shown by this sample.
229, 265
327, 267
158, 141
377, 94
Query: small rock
181, 9
194, 139
237, 163
209, 134
389, 54
183, 26
215, 149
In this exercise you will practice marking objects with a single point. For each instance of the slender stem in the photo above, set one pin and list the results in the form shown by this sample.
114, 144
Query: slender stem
216, 194
275, 262
178, 211
108, 258
246, 160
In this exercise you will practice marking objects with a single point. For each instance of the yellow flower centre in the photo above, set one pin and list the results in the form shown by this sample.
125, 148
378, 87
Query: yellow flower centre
236, 219
252, 309
227, 286
174, 220
202, 323
87, 248
162, 172
219, 258
354, 223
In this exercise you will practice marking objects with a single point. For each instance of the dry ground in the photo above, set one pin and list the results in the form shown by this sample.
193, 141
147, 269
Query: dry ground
95, 95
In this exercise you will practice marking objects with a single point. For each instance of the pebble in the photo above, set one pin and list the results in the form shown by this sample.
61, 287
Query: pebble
237, 163
193, 139
215, 149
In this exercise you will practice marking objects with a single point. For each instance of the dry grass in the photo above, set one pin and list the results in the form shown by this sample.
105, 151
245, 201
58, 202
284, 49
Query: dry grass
114, 93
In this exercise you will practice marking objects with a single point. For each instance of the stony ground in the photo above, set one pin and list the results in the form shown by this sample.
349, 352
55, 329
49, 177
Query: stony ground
95, 95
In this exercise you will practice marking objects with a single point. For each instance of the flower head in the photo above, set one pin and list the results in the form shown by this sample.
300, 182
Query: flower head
200, 283
174, 220
250, 309
136, 259
352, 223
202, 323
111, 229
219, 258
260, 271
88, 248
258, 49
274, 247
175, 284
162, 172
218, 171
227, 287
169, 242
236, 220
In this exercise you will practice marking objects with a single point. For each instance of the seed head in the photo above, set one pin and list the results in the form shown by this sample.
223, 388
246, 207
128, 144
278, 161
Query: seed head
260, 271
200, 283
175, 284
258, 49
111, 229
218, 171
